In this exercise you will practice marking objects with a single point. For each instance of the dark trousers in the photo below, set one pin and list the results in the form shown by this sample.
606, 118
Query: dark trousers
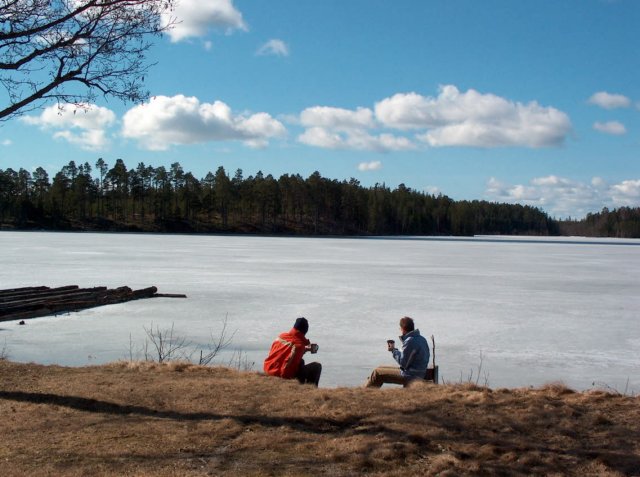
309, 373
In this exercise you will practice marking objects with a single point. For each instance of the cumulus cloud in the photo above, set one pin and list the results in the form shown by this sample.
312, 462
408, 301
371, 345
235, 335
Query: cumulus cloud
474, 119
165, 121
84, 125
321, 137
370, 166
611, 127
337, 118
338, 128
359, 140
562, 197
626, 193
609, 101
453, 118
274, 47
194, 18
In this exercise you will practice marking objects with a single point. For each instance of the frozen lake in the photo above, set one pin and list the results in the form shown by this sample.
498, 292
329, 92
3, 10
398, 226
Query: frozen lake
536, 310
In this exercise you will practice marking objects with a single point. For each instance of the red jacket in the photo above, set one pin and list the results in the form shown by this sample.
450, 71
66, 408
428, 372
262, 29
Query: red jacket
285, 355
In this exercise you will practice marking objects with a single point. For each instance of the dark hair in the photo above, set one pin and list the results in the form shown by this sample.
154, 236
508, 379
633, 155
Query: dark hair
406, 324
301, 325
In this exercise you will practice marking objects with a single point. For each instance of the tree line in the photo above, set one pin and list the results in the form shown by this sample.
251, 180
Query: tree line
147, 198
623, 222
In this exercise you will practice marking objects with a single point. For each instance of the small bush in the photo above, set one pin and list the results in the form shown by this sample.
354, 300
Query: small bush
165, 345
4, 354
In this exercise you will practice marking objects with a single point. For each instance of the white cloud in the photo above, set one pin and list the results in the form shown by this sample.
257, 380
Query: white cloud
359, 140
166, 121
6, 142
338, 128
562, 197
321, 137
208, 45
83, 125
609, 101
451, 119
274, 47
337, 118
611, 127
389, 142
370, 166
626, 193
474, 119
194, 18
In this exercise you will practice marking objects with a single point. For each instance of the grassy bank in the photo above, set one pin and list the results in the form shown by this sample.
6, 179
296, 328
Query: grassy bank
146, 419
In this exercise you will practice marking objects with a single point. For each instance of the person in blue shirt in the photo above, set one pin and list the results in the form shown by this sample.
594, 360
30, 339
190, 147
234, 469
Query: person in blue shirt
413, 358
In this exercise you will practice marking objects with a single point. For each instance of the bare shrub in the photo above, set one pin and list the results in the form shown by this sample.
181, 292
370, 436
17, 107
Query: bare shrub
240, 361
479, 373
167, 347
474, 375
4, 354
131, 357
217, 344
602, 386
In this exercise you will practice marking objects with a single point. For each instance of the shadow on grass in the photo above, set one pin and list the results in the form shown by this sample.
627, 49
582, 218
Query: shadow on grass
308, 424
436, 431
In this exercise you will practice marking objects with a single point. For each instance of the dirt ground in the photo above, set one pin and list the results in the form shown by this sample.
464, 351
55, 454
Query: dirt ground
143, 419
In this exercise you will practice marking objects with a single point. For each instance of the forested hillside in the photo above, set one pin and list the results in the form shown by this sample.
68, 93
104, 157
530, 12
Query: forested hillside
622, 223
147, 198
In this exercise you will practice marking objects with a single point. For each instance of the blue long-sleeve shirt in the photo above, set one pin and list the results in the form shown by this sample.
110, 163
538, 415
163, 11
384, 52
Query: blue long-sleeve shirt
414, 357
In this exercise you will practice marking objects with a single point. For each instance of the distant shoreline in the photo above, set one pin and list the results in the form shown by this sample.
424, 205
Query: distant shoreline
529, 239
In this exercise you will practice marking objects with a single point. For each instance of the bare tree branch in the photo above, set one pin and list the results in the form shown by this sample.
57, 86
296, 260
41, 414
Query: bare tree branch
71, 50
167, 345
217, 344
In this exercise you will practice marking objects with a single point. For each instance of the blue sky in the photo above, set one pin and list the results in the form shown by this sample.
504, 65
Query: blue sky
532, 102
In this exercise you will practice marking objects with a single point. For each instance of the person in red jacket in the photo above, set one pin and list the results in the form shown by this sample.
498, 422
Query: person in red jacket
285, 357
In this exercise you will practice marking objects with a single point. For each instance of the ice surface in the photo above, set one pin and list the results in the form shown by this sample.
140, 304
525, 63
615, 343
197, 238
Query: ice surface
536, 310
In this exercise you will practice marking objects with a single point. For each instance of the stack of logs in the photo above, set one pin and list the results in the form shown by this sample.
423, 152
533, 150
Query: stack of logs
33, 302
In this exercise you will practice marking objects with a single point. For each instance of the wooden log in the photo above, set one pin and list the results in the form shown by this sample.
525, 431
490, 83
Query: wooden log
169, 295
35, 301
42, 310
54, 308
22, 290
27, 315
36, 295
44, 291
42, 301
145, 292
71, 294
39, 289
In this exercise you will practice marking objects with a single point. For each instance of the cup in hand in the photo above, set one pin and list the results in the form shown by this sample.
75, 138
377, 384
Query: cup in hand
314, 348
391, 345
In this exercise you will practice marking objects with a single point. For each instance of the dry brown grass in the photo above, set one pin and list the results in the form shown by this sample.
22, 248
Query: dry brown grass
179, 419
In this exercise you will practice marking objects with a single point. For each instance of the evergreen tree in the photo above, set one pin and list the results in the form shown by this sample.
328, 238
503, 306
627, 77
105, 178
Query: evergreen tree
146, 197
